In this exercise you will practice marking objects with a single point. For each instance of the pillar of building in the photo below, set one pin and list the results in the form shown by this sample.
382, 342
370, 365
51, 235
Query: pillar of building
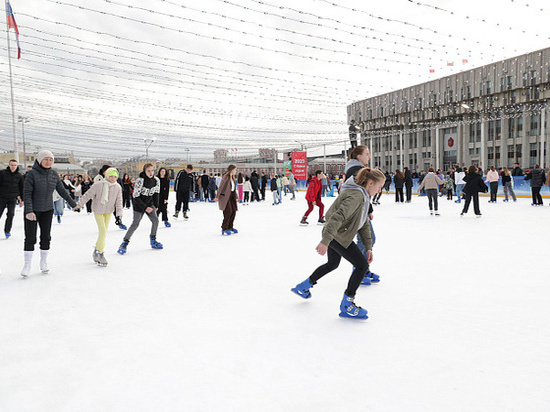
394, 145
435, 148
406, 146
525, 142
504, 130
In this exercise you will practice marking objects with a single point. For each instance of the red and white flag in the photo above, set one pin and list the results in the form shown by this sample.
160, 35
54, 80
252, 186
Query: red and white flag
13, 25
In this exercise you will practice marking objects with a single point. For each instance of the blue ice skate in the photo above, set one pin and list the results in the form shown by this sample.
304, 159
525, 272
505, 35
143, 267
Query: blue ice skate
226, 232
155, 244
167, 224
348, 309
122, 248
7, 235
366, 281
374, 278
123, 226
233, 230
302, 289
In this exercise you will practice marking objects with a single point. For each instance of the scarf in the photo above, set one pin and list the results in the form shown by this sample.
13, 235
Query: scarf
105, 193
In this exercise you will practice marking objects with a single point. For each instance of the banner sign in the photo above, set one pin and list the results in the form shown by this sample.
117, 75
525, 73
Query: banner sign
299, 165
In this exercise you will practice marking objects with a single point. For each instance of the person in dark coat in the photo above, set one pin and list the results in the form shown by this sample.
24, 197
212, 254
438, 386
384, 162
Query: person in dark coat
398, 182
127, 188
517, 170
182, 187
408, 184
204, 185
537, 179
146, 201
11, 192
227, 200
255, 182
212, 187
164, 178
40, 182
474, 185
313, 197
264, 185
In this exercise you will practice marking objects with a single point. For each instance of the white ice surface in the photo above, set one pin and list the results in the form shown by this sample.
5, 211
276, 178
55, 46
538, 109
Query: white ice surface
459, 322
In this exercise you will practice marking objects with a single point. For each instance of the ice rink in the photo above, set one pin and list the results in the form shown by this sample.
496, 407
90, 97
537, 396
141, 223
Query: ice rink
459, 322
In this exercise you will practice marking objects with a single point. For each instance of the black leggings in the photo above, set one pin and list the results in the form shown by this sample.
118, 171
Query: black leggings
537, 198
44, 220
469, 198
163, 210
494, 190
10, 205
353, 255
399, 194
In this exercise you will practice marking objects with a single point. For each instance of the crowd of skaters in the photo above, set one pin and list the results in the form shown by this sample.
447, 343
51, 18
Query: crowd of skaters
43, 193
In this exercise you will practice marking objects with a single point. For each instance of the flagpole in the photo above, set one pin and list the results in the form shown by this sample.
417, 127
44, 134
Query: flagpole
16, 145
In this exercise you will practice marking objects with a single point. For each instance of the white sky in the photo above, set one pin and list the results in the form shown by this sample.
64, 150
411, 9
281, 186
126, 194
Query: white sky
235, 74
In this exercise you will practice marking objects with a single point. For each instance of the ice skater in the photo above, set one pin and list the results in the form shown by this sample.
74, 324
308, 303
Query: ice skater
431, 184
146, 201
164, 179
227, 200
474, 185
106, 197
40, 182
11, 193
313, 197
347, 217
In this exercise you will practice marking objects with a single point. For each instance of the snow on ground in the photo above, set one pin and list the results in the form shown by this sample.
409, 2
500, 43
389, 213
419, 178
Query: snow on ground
459, 321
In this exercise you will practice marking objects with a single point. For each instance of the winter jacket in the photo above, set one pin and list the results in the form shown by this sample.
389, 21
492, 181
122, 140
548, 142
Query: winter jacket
11, 184
38, 189
506, 179
285, 181
273, 184
474, 184
184, 181
459, 178
408, 179
225, 192
517, 171
431, 181
492, 176
348, 216
146, 192
314, 190
291, 180
247, 187
264, 181
114, 201
536, 176
398, 182
205, 181
212, 183
254, 180
164, 189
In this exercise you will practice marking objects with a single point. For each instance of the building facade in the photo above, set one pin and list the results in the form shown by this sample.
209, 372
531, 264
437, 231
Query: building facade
494, 115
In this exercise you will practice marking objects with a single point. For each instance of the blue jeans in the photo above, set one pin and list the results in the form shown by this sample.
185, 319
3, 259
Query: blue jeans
360, 244
58, 207
459, 188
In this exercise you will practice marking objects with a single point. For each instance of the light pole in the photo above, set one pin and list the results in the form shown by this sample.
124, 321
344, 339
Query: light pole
147, 145
187, 150
23, 120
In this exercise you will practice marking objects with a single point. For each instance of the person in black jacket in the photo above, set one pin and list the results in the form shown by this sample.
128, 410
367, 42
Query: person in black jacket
204, 186
182, 187
163, 195
11, 192
146, 201
40, 182
255, 183
127, 188
264, 185
517, 170
474, 185
537, 178
398, 181
408, 184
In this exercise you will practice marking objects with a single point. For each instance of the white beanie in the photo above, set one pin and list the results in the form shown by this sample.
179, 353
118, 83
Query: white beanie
43, 154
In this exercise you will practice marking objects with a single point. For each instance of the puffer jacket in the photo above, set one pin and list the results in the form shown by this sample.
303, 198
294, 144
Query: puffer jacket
146, 192
38, 190
431, 181
11, 184
314, 189
536, 176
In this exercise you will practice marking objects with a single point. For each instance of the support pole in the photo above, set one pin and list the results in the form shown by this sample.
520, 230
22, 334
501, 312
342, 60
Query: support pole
542, 136
15, 144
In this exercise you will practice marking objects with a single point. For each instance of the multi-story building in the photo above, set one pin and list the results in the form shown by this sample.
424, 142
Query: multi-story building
492, 115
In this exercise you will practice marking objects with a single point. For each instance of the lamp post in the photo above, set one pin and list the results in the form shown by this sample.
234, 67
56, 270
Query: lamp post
187, 150
23, 120
148, 142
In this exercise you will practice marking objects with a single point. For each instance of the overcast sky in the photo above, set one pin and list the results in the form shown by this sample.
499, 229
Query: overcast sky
98, 77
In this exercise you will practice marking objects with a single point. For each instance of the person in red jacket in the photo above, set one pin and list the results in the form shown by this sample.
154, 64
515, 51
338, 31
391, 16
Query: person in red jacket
313, 197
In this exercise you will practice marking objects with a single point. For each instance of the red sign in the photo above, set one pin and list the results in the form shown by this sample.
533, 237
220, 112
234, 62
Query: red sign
299, 165
451, 142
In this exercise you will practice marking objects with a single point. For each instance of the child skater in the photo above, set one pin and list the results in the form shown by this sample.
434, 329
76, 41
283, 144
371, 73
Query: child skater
146, 201
106, 197
347, 217
313, 197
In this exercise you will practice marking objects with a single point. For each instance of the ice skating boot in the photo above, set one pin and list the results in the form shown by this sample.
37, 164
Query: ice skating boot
303, 222
366, 280
122, 248
185, 216
374, 278
176, 214
302, 289
321, 220
155, 244
44, 261
167, 224
226, 232
95, 255
27, 266
58, 219
348, 309
7, 235
233, 230
101, 261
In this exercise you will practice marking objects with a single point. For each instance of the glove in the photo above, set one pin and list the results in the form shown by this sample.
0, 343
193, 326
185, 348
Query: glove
30, 216
117, 221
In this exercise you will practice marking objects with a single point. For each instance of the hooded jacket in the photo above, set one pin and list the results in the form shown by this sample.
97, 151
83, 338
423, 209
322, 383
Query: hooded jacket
431, 181
314, 189
536, 176
352, 167
348, 216
11, 184
38, 189
146, 192
474, 184
114, 201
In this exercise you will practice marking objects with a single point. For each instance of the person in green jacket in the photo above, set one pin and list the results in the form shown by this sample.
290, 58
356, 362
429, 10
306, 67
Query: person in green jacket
347, 217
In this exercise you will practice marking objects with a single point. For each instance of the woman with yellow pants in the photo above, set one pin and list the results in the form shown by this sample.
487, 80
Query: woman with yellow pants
106, 197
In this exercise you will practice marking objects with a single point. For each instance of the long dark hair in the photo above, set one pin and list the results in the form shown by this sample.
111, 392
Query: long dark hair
166, 174
230, 168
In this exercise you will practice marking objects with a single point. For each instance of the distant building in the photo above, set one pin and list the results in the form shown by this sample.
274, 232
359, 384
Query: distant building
491, 115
